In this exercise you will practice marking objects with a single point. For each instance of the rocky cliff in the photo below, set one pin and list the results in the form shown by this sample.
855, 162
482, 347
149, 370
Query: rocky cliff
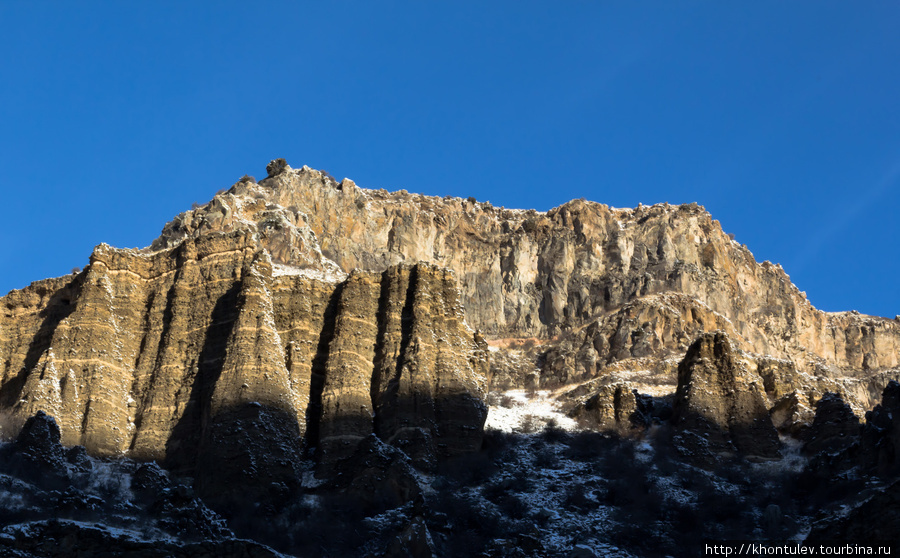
287, 293
303, 350
592, 289
643, 281
153, 354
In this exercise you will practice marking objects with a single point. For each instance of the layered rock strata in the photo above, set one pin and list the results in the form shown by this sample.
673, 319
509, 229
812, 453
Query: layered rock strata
720, 402
168, 355
287, 294
403, 365
644, 281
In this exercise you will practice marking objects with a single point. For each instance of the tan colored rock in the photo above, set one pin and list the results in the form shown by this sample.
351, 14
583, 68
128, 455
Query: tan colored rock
430, 371
241, 300
162, 355
679, 248
594, 284
721, 399
347, 402
792, 415
401, 363
612, 408
655, 327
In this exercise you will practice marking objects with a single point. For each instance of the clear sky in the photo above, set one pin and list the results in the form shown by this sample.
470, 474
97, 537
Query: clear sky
781, 118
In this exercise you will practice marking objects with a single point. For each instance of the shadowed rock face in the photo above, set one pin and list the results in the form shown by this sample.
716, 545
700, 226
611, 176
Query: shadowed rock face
37, 456
881, 435
877, 519
834, 428
72, 538
721, 401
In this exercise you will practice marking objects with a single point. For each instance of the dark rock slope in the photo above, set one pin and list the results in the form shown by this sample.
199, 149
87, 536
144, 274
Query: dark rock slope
60, 502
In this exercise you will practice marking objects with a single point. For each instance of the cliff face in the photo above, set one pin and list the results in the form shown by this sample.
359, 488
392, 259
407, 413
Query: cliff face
721, 403
642, 281
154, 354
343, 311
301, 327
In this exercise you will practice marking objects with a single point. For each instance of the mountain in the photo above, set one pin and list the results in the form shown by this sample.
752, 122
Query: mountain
302, 337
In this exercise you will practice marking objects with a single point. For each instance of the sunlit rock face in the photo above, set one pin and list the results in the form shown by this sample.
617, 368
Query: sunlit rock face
348, 310
300, 338
536, 274
165, 354
596, 289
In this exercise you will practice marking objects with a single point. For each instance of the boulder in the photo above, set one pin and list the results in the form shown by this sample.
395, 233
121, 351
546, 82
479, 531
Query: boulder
615, 408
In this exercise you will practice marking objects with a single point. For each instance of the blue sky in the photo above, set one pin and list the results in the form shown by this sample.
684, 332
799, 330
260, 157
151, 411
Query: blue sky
781, 118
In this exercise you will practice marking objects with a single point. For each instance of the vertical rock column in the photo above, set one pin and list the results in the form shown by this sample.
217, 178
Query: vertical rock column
83, 378
254, 368
301, 311
394, 366
430, 373
346, 399
193, 313
250, 446
461, 370
720, 404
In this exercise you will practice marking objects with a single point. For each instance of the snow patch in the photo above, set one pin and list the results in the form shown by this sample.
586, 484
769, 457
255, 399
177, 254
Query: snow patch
326, 275
518, 412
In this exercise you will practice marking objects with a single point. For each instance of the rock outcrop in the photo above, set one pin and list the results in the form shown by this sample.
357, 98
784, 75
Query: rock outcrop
174, 355
720, 403
402, 364
650, 278
834, 427
881, 434
791, 415
613, 408
36, 456
343, 312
